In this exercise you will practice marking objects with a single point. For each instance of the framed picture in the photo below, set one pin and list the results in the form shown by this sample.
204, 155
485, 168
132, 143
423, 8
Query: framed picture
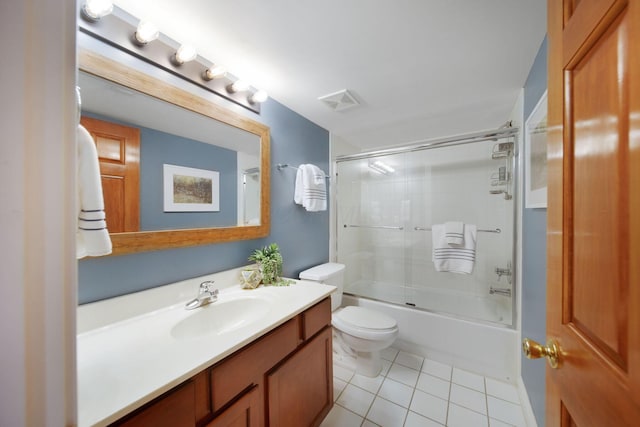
191, 190
535, 156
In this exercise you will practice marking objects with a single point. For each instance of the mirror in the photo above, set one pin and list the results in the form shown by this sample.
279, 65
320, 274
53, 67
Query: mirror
180, 129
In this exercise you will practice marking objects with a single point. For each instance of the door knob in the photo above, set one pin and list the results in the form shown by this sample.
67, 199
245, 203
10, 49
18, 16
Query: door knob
533, 350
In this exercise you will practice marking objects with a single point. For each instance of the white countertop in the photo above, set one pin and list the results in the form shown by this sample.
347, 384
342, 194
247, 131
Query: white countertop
127, 355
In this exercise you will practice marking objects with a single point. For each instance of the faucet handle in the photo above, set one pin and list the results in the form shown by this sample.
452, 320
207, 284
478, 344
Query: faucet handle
207, 287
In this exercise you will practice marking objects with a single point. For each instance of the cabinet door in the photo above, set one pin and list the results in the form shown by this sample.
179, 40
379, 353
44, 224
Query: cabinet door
300, 391
244, 413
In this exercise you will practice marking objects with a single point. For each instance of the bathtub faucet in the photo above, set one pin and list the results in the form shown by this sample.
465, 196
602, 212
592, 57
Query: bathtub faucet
504, 272
500, 291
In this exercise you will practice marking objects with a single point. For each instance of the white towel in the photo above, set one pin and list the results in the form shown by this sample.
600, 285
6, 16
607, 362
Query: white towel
460, 259
311, 188
92, 236
454, 232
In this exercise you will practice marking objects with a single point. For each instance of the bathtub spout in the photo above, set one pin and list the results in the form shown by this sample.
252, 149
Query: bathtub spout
500, 291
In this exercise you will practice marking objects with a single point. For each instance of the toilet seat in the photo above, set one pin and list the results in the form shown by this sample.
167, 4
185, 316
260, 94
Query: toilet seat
364, 323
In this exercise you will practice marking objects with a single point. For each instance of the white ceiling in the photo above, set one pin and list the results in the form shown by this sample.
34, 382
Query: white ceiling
419, 68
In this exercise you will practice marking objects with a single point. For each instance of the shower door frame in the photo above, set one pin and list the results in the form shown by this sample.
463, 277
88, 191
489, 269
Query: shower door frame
490, 135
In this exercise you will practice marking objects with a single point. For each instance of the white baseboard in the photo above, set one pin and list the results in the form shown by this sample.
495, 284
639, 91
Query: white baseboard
525, 403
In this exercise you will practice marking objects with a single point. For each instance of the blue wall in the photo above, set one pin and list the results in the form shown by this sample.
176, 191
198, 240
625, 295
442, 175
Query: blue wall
303, 236
159, 148
534, 259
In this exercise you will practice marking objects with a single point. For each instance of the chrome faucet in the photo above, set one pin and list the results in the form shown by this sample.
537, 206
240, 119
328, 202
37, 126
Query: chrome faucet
206, 295
504, 272
500, 291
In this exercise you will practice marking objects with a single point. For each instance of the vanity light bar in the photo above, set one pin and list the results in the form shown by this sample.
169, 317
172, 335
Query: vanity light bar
122, 31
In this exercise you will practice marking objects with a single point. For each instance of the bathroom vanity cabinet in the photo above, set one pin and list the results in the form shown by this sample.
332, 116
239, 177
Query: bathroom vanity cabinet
284, 378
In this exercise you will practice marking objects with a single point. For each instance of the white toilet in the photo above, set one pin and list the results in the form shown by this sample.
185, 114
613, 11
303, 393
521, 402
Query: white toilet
359, 334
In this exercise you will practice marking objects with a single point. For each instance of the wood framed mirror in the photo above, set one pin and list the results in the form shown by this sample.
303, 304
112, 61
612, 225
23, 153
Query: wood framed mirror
150, 237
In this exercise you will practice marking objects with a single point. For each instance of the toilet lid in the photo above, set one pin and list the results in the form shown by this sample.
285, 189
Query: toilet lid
367, 319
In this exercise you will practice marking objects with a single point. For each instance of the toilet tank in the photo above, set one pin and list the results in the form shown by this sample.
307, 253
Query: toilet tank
330, 273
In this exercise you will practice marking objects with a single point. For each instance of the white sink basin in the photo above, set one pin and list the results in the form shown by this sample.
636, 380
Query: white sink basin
221, 317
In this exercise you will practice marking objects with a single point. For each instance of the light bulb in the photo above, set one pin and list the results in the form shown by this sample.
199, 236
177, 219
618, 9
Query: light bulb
96, 9
239, 86
215, 72
185, 53
146, 32
258, 97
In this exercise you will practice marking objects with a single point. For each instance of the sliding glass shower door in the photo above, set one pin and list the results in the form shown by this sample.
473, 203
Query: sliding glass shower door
387, 206
372, 214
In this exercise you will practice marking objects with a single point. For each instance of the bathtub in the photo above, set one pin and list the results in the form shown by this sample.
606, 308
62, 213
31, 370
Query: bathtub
478, 305
477, 347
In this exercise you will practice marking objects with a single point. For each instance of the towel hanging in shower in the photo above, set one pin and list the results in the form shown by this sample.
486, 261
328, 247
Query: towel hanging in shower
454, 259
454, 232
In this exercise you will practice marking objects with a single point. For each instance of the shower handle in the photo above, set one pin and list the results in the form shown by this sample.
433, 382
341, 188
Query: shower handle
534, 350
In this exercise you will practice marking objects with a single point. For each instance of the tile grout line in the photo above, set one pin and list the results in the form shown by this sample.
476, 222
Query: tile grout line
413, 392
353, 375
486, 400
347, 409
364, 419
446, 420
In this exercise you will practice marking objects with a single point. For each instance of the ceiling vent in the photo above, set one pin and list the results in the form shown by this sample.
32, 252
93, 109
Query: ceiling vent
339, 101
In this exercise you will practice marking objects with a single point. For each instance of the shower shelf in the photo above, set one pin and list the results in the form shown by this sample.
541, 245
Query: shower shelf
502, 150
503, 177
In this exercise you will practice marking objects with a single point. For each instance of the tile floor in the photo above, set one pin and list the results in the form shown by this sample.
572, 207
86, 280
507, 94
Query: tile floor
413, 391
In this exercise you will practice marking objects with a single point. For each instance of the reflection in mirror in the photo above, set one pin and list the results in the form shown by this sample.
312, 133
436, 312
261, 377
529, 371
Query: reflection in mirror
146, 125
249, 212
171, 135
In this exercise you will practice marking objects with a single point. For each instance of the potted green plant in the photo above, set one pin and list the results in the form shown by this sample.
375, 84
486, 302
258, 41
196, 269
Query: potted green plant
269, 262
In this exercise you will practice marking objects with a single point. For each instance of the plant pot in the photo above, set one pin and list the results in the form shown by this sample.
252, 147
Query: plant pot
250, 278
271, 270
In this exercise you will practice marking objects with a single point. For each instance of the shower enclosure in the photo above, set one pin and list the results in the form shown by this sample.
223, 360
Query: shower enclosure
388, 201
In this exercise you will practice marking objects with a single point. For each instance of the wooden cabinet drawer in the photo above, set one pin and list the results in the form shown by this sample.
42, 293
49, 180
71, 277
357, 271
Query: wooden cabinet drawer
316, 318
247, 366
173, 409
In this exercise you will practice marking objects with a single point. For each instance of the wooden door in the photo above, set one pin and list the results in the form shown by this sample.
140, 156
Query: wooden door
593, 282
119, 155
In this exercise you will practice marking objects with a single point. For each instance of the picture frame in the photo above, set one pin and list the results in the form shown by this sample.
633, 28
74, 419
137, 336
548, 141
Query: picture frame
190, 189
535, 156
